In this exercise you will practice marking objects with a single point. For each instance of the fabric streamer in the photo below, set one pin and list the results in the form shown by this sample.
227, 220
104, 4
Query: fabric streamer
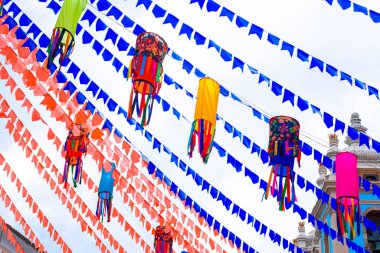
163, 240
283, 149
105, 192
75, 147
2, 3
203, 127
347, 194
146, 72
62, 41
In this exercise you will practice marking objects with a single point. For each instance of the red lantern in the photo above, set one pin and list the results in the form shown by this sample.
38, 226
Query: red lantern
75, 147
146, 72
163, 240
347, 194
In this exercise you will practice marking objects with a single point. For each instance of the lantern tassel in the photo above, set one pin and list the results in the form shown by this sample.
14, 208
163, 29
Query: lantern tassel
62, 42
204, 131
2, 2
347, 216
104, 207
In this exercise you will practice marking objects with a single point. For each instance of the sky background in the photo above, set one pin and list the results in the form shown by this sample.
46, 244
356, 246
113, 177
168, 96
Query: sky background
346, 40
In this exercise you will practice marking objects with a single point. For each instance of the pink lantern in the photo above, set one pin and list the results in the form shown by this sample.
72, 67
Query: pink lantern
347, 194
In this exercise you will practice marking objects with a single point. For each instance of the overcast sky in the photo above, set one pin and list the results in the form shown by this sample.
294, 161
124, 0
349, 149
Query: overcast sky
346, 40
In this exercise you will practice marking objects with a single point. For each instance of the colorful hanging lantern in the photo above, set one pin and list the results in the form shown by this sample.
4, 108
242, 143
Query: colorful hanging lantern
203, 127
62, 41
105, 192
283, 149
75, 148
146, 72
347, 194
163, 240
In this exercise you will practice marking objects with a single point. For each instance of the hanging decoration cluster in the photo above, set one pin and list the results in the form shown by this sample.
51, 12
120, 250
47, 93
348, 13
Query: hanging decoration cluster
75, 147
283, 149
105, 192
163, 239
62, 41
347, 194
203, 127
146, 72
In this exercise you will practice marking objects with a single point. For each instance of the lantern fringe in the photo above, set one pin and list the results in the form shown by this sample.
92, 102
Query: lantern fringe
163, 247
204, 131
285, 187
62, 42
76, 175
104, 206
346, 218
2, 2
147, 67
74, 160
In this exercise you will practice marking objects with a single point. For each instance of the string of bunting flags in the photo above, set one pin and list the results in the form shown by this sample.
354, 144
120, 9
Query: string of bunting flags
202, 213
7, 232
108, 125
276, 88
213, 6
318, 195
71, 194
64, 195
313, 62
258, 31
113, 106
58, 146
44, 221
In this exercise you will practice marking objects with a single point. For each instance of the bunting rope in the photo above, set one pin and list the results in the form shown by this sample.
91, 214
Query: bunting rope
275, 87
87, 180
38, 114
353, 133
34, 81
32, 204
20, 219
6, 231
302, 55
316, 192
302, 104
41, 166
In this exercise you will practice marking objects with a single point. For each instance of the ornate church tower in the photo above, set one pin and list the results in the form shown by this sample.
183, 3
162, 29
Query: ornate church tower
369, 168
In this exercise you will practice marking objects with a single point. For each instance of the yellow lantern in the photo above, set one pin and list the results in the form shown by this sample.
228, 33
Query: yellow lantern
203, 127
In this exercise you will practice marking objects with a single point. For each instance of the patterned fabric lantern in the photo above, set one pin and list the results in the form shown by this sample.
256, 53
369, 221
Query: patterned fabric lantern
105, 192
75, 147
163, 240
146, 72
62, 41
283, 149
347, 194
203, 127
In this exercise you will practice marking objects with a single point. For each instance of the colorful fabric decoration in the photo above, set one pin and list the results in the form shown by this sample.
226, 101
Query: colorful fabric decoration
283, 149
75, 147
2, 2
203, 127
62, 41
163, 240
347, 194
146, 72
105, 192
